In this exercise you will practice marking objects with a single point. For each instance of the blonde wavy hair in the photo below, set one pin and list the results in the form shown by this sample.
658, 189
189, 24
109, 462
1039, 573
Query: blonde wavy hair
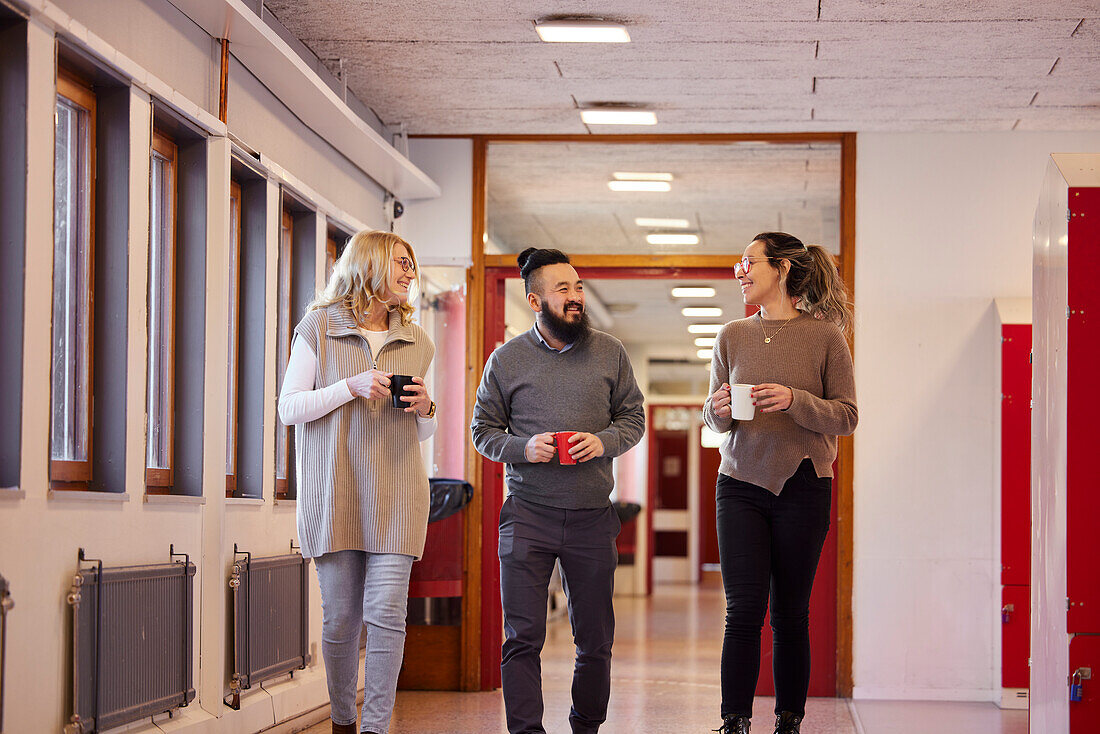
359, 275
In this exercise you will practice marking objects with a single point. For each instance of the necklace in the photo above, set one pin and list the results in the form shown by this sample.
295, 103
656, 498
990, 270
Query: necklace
768, 339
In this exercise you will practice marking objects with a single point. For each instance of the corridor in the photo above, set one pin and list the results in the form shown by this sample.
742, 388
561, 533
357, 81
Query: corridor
665, 680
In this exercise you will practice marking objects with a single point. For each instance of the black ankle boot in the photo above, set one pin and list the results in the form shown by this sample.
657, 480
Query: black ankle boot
734, 725
787, 723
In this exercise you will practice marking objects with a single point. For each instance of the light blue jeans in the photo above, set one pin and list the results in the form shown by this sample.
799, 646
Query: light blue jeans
357, 588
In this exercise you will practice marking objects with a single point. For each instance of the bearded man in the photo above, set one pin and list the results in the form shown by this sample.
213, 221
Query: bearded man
560, 376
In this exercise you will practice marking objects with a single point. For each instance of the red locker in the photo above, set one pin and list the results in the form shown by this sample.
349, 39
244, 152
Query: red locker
1015, 635
1015, 509
1016, 454
1084, 665
1083, 389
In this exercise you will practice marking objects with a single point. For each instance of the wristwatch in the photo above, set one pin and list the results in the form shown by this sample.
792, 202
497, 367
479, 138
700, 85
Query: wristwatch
431, 411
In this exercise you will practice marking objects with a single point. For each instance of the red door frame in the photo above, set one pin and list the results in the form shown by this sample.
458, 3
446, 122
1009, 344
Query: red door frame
492, 473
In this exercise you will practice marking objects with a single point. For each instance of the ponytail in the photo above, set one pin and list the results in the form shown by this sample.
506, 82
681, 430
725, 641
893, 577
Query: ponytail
813, 278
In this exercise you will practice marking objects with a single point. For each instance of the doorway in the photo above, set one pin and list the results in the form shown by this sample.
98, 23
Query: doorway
612, 253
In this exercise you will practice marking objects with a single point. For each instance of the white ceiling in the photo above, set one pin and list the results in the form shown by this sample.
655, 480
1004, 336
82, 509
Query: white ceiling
717, 66
556, 195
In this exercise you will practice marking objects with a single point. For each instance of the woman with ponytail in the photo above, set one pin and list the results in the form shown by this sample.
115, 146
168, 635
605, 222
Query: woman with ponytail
775, 480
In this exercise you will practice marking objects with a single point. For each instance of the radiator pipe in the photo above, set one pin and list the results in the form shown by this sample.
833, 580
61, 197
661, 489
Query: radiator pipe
98, 589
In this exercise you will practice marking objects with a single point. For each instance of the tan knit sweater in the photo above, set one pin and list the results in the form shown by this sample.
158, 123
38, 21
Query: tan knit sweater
809, 356
361, 479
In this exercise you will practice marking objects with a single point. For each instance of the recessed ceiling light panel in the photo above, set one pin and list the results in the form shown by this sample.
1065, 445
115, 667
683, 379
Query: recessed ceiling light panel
705, 354
617, 116
672, 239
704, 328
582, 30
692, 292
705, 341
702, 312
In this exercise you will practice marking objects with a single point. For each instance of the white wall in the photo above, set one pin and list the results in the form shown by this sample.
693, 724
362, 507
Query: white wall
40, 531
943, 226
440, 229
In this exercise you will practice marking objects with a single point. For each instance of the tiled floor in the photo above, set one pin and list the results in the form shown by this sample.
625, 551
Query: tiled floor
941, 717
665, 680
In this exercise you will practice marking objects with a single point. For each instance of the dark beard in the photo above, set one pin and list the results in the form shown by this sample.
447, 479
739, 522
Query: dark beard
562, 329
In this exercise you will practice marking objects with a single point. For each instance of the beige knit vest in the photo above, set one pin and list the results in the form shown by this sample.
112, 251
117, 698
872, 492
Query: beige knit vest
360, 476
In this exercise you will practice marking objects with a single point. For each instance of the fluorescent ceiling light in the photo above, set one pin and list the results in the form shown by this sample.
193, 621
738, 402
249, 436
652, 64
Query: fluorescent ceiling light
672, 239
630, 176
617, 116
706, 312
704, 328
692, 292
706, 354
662, 223
582, 30
639, 185
705, 341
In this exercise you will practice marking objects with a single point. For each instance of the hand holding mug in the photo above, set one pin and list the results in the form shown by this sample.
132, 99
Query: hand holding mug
372, 384
585, 446
416, 395
770, 397
720, 401
540, 448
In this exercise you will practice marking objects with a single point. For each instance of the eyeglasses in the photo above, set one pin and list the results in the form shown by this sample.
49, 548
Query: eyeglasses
743, 267
405, 263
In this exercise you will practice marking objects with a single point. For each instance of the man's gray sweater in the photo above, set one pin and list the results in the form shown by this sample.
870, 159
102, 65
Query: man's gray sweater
528, 388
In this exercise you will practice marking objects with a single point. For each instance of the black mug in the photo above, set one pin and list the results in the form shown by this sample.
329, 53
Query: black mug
398, 383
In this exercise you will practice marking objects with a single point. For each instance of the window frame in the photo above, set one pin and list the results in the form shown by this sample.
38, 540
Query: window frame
159, 480
283, 341
76, 474
233, 347
331, 251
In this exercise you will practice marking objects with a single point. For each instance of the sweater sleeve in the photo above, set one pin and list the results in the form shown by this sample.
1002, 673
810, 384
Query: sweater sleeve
489, 426
299, 402
719, 374
627, 412
835, 413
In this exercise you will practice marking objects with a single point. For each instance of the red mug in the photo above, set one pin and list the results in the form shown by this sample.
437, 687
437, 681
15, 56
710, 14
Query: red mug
561, 438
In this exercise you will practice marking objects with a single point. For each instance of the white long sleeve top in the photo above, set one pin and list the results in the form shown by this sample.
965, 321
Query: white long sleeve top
299, 402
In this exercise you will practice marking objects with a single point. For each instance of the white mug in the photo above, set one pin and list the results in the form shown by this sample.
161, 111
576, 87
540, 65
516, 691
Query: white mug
741, 402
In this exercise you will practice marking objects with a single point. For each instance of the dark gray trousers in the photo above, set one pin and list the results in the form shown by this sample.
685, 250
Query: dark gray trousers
532, 537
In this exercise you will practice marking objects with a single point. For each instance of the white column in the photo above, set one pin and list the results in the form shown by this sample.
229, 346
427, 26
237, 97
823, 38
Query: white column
38, 288
216, 556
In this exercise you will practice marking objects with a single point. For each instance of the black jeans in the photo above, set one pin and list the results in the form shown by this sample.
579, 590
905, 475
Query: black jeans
770, 543
532, 537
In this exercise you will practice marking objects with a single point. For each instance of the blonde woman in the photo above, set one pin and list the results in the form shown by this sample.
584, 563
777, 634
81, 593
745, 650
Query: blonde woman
362, 488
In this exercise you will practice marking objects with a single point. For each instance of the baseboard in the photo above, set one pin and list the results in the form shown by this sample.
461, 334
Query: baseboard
1014, 698
890, 693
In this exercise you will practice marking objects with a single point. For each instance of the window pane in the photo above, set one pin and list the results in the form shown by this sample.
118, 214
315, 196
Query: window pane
71, 284
234, 295
161, 283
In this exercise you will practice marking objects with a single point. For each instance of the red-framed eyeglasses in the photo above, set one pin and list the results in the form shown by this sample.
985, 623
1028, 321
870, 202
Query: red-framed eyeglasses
745, 265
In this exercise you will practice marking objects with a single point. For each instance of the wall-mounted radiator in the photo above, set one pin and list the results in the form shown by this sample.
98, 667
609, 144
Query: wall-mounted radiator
270, 620
132, 637
6, 605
